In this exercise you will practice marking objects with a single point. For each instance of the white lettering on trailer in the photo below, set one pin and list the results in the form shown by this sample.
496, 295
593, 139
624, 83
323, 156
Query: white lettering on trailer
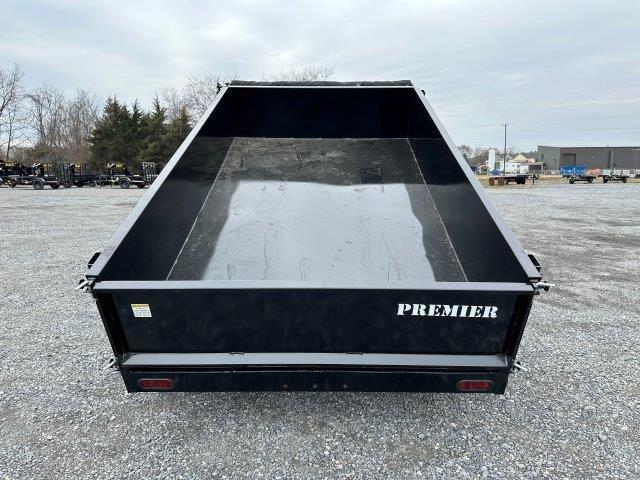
438, 310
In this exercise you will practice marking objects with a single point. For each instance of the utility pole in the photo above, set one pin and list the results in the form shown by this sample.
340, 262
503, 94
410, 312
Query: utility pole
504, 160
635, 163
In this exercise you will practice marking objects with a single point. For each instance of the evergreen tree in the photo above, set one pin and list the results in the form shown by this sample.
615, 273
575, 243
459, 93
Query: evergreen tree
136, 131
177, 130
131, 136
103, 135
110, 141
153, 146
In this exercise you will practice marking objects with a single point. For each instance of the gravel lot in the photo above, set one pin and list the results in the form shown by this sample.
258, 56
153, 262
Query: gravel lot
573, 414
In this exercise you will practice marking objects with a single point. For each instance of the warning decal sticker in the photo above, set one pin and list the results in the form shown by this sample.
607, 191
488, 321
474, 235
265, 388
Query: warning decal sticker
141, 310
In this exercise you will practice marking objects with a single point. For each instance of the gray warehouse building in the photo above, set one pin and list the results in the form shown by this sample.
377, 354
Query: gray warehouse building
591, 157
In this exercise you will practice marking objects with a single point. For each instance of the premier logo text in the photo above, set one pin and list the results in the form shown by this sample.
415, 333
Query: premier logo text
435, 310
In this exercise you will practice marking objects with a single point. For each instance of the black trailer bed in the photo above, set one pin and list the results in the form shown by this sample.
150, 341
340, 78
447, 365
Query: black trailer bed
315, 237
320, 210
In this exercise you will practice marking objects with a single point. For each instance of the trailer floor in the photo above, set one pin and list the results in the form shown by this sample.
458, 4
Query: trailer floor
574, 414
321, 210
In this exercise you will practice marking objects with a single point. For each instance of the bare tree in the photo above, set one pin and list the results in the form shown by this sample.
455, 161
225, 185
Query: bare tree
200, 92
15, 130
173, 101
11, 88
12, 118
80, 116
306, 74
47, 115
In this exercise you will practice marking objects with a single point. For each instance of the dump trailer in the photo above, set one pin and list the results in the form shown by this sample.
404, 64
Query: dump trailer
320, 237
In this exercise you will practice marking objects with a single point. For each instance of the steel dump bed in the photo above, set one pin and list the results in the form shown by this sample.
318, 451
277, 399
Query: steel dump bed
323, 236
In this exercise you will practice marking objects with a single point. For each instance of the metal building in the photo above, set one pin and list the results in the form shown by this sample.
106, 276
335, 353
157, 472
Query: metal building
591, 157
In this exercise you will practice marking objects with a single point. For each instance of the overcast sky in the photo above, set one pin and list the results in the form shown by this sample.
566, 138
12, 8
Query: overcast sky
559, 72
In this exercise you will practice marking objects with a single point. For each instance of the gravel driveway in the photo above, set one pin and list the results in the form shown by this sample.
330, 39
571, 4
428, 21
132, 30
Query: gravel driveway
573, 414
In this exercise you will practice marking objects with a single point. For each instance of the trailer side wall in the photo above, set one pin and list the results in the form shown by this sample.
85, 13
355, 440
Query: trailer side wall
149, 249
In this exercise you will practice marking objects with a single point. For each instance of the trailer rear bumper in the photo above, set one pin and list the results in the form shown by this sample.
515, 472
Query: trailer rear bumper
315, 372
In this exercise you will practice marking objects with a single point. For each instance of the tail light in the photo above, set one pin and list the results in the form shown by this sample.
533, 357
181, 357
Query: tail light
475, 385
155, 383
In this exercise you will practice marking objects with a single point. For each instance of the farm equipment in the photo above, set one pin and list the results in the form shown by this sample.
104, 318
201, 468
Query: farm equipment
315, 236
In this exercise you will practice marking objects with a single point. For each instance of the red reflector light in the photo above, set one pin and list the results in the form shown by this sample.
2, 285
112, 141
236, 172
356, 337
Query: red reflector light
155, 383
475, 385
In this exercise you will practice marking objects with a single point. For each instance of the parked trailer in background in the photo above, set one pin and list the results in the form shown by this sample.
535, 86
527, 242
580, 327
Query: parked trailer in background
577, 173
119, 174
519, 179
315, 236
5, 171
37, 176
615, 175
150, 171
514, 172
78, 174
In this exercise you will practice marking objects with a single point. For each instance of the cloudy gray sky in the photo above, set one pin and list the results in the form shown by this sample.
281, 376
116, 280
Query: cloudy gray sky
559, 72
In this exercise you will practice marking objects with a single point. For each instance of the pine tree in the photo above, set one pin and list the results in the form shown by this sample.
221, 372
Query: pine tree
153, 147
177, 130
120, 147
130, 136
136, 133
105, 143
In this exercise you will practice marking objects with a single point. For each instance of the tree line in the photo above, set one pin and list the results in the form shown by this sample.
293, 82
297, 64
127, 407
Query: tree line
44, 124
